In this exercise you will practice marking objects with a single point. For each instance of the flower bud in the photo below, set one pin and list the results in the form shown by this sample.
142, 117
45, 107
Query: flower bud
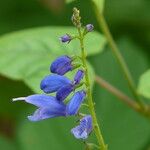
65, 38
89, 27
53, 83
63, 92
61, 65
75, 103
78, 77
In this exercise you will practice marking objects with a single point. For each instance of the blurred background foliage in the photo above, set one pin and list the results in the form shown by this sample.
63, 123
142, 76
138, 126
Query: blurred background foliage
124, 129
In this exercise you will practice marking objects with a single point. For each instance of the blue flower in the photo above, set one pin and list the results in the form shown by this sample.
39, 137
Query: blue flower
66, 89
66, 38
75, 103
53, 83
89, 27
63, 92
78, 77
48, 106
84, 129
61, 65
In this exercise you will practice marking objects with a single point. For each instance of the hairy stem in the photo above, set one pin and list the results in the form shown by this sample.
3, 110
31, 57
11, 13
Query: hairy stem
89, 95
103, 25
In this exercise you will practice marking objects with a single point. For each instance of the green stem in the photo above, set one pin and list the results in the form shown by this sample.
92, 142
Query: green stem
102, 23
89, 95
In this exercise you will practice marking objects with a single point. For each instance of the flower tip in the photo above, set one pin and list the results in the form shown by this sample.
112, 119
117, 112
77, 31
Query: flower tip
89, 27
65, 38
19, 99
61, 65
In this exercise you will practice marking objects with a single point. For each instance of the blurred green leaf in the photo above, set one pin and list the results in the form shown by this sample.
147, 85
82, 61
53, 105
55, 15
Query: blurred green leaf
69, 1
99, 4
117, 12
5, 144
26, 55
8, 90
123, 128
49, 134
144, 84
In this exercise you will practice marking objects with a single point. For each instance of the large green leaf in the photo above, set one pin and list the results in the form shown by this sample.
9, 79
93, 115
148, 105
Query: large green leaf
5, 144
144, 84
26, 55
49, 134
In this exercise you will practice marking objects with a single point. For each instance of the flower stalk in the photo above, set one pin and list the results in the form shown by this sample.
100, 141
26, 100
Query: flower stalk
89, 95
76, 19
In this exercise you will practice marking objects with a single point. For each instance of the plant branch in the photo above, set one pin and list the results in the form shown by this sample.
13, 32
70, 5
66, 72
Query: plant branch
103, 25
121, 96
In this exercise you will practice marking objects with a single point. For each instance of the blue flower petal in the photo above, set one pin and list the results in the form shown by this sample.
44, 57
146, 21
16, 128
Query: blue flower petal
78, 77
75, 103
52, 83
40, 100
63, 92
45, 113
48, 106
84, 129
43, 101
61, 65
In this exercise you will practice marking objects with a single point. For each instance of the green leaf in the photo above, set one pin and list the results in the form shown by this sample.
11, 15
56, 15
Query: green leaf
48, 134
144, 84
99, 4
26, 55
5, 144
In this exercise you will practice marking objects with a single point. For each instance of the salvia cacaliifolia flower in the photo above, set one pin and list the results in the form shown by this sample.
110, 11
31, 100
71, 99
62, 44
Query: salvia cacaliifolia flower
60, 84
63, 92
78, 77
65, 38
73, 105
61, 65
50, 107
53, 83
89, 27
84, 128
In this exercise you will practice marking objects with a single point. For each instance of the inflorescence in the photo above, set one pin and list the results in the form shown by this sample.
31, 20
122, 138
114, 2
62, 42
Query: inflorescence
61, 104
